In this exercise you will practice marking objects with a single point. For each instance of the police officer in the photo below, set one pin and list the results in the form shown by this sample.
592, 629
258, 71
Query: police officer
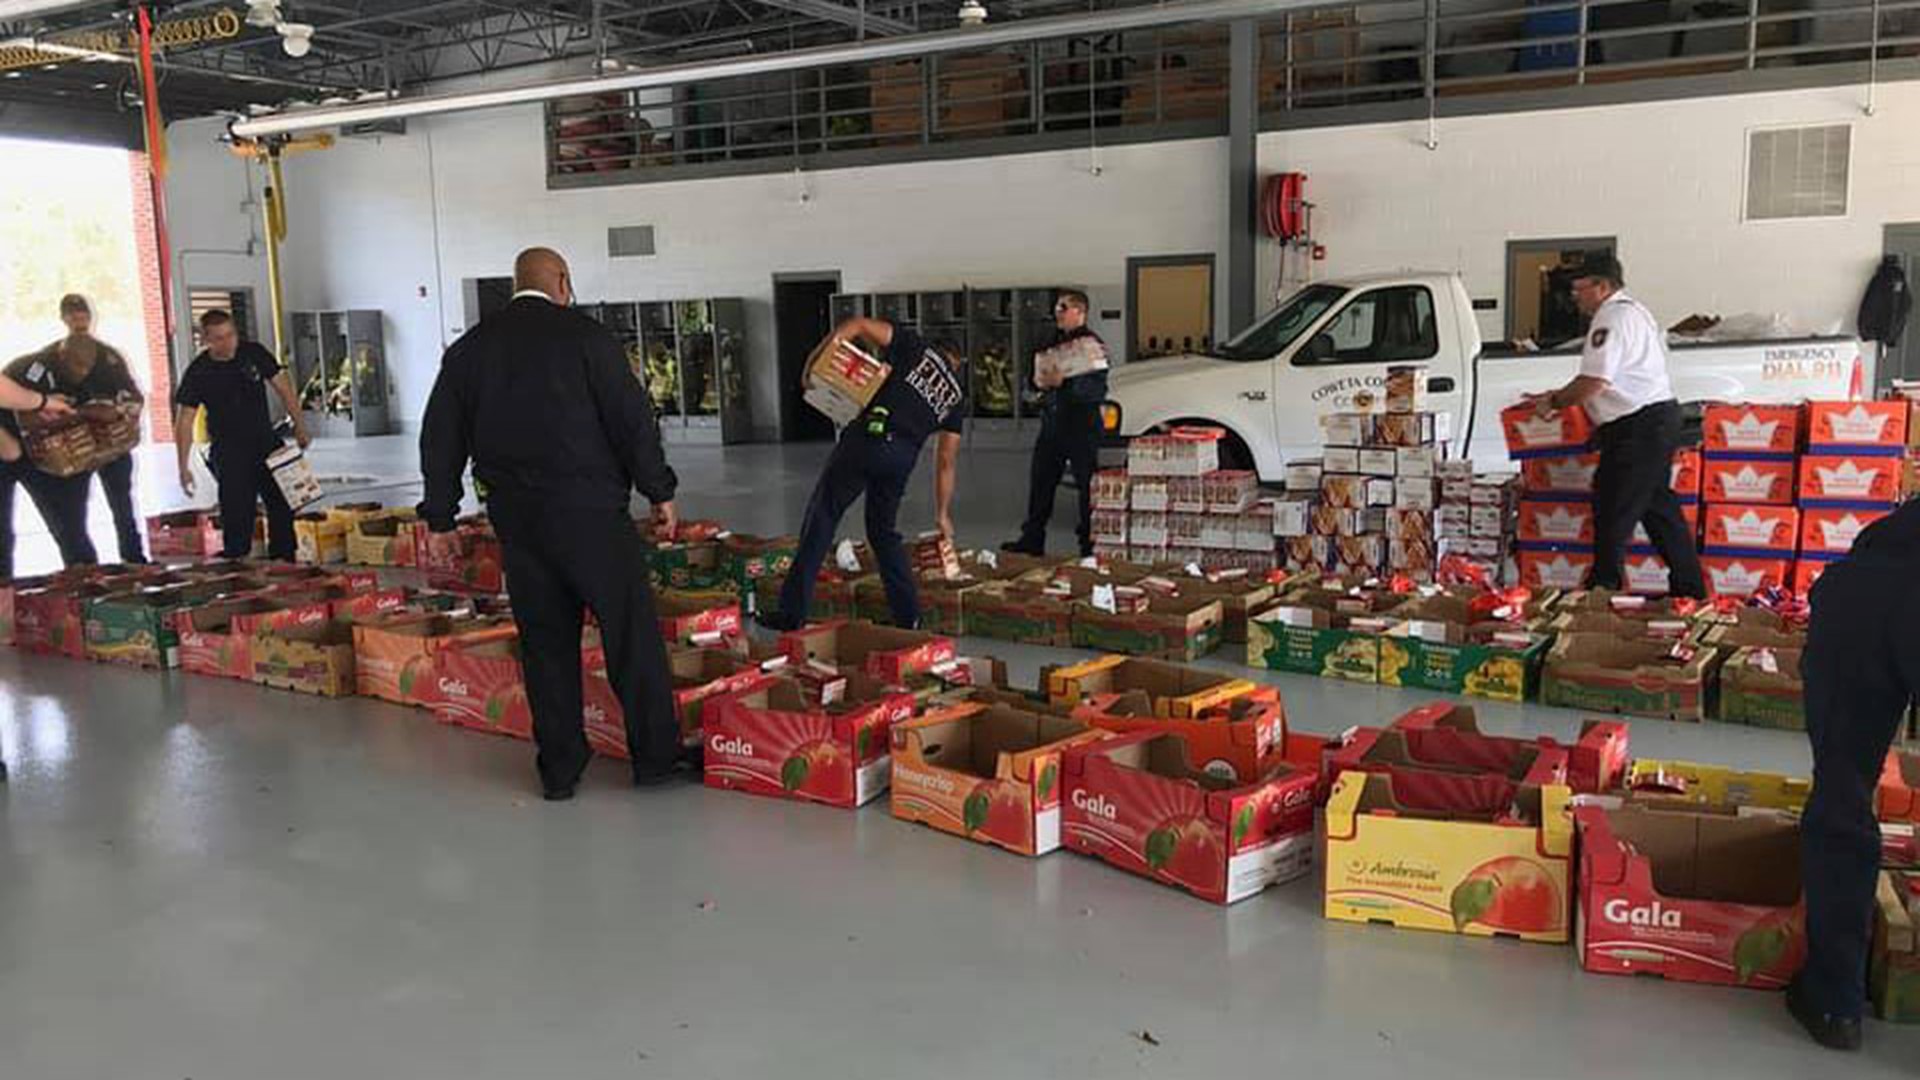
229, 379
1623, 385
1861, 666
1069, 427
559, 431
924, 393
14, 466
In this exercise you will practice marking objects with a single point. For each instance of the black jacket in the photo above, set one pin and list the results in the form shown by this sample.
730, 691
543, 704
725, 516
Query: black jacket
1889, 299
1082, 393
541, 399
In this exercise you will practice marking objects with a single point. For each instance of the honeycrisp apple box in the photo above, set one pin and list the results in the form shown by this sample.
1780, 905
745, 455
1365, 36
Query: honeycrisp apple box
1597, 759
1311, 637
883, 652
1603, 673
1175, 689
395, 654
990, 774
771, 739
1237, 740
1502, 875
1137, 802
1708, 895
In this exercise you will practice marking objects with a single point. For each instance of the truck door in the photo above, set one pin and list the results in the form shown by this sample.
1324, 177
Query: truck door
1343, 366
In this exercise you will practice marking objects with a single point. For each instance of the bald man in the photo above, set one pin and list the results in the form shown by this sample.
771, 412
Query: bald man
560, 433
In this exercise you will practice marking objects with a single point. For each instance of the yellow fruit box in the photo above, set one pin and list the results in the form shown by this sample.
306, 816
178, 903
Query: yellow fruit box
383, 539
1177, 690
1506, 876
320, 539
313, 659
1716, 785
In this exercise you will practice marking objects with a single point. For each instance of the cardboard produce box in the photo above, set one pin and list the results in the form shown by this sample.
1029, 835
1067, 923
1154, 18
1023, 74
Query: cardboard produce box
1555, 569
1603, 673
1020, 610
689, 617
1237, 740
316, 659
1843, 424
1830, 532
1569, 475
320, 539
137, 626
1743, 576
184, 534
1752, 429
1762, 531
1433, 645
841, 380
395, 654
1761, 686
1696, 895
1175, 689
942, 602
1179, 628
480, 685
50, 617
987, 773
1138, 803
701, 675
216, 639
1240, 595
884, 653
746, 559
1893, 979
1744, 480
1898, 795
1504, 875
1716, 785
1306, 634
383, 539
1437, 781
1842, 480
770, 739
686, 565
1562, 521
1597, 759
1557, 434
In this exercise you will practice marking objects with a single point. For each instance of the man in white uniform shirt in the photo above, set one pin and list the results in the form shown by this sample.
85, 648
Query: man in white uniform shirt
1624, 387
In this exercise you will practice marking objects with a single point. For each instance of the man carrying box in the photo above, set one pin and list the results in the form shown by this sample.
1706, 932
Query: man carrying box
924, 393
1623, 385
1072, 373
540, 399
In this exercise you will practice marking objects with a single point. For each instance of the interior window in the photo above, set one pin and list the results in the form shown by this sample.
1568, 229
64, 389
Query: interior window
1380, 326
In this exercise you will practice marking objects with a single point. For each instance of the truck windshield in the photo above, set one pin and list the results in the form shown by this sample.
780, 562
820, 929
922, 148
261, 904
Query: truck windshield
1270, 336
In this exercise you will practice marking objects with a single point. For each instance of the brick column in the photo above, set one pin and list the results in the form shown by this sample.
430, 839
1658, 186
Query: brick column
146, 237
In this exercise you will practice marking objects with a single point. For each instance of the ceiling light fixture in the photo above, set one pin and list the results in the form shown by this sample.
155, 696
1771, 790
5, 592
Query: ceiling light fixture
263, 14
296, 38
972, 13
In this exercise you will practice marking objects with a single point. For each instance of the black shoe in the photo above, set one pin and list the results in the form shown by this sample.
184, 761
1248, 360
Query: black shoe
777, 621
655, 779
1832, 1032
692, 759
557, 794
1021, 547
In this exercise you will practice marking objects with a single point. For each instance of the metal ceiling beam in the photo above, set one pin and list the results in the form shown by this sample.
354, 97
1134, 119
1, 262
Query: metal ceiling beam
846, 16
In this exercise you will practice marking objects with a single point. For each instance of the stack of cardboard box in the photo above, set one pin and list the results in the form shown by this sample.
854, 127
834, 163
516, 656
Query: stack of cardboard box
1557, 466
1854, 473
1750, 525
1173, 503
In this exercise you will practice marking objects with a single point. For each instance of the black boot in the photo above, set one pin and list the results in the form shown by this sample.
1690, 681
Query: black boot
1832, 1032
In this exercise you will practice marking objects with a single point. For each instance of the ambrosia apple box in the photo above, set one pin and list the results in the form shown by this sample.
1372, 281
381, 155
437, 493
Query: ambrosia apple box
1698, 895
771, 739
1138, 803
987, 773
1504, 875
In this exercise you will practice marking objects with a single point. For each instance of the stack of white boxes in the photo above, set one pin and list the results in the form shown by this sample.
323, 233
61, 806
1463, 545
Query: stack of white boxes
1173, 503
1476, 517
1369, 504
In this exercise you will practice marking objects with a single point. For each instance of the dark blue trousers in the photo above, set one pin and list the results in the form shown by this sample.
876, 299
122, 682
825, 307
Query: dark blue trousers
1861, 665
878, 468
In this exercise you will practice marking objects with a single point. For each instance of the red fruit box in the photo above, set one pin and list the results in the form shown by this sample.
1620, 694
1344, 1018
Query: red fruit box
1566, 569
1697, 895
184, 534
1849, 480
1236, 741
1752, 429
990, 774
1645, 573
1750, 530
479, 685
1531, 435
1736, 575
1138, 803
394, 655
1898, 795
697, 618
1832, 531
1442, 784
50, 619
699, 675
769, 739
1572, 475
1444, 731
1747, 480
885, 653
1807, 571
216, 639
1684, 475
1850, 425
1555, 521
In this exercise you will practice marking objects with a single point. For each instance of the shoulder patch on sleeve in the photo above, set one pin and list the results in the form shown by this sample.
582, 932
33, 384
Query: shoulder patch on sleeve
1598, 339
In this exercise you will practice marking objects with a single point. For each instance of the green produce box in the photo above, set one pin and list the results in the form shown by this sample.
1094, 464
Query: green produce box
1017, 612
1604, 673
1330, 648
686, 566
746, 560
1760, 686
1177, 628
137, 627
1472, 665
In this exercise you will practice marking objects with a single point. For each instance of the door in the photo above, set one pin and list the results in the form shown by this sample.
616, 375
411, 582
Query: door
802, 315
730, 354
1540, 276
1169, 305
1343, 366
1902, 361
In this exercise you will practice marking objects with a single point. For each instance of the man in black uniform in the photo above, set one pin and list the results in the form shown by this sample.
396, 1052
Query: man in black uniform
559, 431
229, 379
1861, 667
1069, 425
925, 392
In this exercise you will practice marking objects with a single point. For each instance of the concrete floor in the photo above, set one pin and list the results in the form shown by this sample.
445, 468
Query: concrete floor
207, 880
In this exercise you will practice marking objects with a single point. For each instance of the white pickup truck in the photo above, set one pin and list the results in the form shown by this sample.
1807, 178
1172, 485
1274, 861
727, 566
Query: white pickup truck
1333, 341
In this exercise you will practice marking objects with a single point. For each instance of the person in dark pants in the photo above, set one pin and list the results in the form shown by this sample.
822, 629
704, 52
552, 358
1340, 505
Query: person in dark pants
1069, 424
925, 392
1623, 385
14, 465
229, 379
560, 433
1861, 666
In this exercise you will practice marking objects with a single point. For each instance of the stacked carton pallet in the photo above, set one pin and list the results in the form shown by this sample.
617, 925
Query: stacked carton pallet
1854, 473
1173, 503
1557, 466
1750, 523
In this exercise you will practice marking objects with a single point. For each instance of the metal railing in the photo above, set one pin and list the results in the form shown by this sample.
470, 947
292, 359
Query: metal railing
1172, 82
